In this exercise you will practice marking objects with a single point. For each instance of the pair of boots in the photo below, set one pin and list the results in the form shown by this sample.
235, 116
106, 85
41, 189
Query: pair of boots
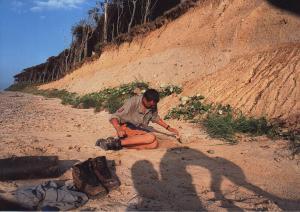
93, 177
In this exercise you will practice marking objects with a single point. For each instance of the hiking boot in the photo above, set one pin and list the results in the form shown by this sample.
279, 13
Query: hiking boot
86, 181
103, 173
109, 143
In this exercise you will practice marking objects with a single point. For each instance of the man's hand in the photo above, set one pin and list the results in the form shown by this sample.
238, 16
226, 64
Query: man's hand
173, 130
120, 132
167, 127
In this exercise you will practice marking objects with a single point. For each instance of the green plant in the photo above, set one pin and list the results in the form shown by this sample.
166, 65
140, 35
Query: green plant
114, 103
226, 125
220, 126
219, 120
255, 126
169, 90
109, 98
91, 100
189, 108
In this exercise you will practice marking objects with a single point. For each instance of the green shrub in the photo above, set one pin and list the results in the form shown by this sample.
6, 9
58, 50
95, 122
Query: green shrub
226, 125
91, 100
114, 103
220, 126
255, 126
169, 90
189, 108
71, 99
109, 98
219, 120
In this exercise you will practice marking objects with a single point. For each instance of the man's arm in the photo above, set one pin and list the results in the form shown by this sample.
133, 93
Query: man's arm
116, 125
115, 118
166, 126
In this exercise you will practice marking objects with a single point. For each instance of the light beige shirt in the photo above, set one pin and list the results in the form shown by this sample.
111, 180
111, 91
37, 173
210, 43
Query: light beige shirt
133, 112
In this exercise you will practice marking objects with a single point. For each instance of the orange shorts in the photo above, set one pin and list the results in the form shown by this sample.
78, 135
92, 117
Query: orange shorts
131, 131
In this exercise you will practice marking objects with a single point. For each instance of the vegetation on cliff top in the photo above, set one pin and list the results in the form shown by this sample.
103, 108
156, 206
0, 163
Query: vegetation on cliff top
112, 22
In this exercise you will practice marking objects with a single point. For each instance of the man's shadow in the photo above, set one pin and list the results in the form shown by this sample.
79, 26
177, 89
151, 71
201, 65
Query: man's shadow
293, 6
175, 189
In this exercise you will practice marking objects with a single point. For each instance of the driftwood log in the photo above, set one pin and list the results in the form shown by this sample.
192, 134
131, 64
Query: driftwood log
29, 167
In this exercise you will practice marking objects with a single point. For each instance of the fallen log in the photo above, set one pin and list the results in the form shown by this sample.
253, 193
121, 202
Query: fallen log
29, 167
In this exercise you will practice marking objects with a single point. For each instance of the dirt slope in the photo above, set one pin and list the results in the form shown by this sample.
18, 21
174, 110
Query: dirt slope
265, 84
241, 52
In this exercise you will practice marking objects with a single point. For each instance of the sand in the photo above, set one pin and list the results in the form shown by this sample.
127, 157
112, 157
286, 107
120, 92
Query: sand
201, 173
240, 52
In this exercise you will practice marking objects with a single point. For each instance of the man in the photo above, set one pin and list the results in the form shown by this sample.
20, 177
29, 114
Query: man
131, 123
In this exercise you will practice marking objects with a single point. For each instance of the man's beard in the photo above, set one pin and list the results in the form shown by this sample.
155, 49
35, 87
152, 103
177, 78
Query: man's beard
149, 107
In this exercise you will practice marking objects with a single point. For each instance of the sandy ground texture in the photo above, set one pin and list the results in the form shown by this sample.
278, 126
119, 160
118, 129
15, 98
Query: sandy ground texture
202, 173
239, 52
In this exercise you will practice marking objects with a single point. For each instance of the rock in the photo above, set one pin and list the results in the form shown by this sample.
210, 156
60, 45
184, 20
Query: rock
163, 85
184, 98
211, 151
277, 159
80, 106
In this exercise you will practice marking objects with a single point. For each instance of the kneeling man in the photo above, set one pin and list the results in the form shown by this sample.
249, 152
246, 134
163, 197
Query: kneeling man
131, 123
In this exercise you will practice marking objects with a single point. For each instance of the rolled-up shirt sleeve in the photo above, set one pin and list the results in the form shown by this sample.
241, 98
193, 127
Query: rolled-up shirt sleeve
122, 112
155, 117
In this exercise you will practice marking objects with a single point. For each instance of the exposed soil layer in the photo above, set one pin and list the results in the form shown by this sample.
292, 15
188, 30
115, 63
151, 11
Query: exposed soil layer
266, 84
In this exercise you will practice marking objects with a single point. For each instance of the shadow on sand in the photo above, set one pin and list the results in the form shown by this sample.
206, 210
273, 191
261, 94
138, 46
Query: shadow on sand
33, 167
175, 189
292, 6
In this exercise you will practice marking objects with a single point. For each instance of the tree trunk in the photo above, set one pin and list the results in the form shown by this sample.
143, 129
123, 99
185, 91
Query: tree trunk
105, 22
132, 14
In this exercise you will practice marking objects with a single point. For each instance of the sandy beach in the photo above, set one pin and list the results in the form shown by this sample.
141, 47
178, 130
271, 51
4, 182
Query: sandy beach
201, 173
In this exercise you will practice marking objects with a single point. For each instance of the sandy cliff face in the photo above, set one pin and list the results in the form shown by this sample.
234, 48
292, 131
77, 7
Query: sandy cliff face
260, 84
241, 52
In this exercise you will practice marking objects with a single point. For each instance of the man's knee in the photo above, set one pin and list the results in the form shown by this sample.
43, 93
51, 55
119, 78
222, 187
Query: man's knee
151, 138
153, 145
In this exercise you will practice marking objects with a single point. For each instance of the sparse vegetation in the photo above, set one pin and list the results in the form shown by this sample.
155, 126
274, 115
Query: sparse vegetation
169, 89
220, 121
220, 126
109, 98
190, 108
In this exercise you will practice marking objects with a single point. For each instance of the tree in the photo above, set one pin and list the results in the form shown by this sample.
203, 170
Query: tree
132, 12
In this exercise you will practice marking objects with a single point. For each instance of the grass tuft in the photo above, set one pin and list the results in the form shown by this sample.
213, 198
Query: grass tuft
220, 126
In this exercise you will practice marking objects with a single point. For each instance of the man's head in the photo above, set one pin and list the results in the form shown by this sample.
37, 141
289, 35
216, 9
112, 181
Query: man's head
150, 98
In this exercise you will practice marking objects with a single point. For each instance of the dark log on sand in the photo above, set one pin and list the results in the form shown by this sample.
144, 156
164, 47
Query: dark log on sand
29, 167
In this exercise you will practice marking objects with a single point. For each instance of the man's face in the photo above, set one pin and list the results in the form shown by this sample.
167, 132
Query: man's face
149, 104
